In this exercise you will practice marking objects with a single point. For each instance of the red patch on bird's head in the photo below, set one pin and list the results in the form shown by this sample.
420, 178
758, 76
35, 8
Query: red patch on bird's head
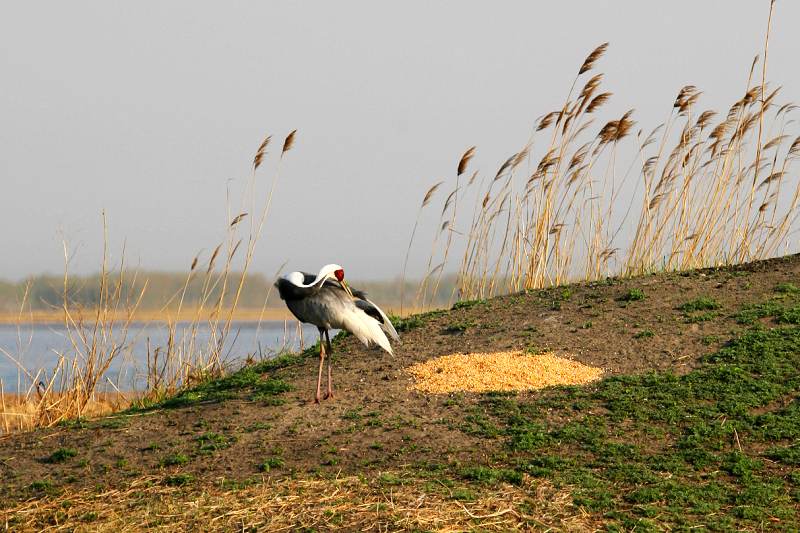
339, 274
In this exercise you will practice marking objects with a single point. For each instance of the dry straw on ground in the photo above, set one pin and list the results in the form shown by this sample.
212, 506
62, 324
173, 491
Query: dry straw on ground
345, 503
499, 371
19, 412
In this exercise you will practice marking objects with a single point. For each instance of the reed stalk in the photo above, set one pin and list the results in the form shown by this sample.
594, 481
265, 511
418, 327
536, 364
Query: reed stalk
697, 192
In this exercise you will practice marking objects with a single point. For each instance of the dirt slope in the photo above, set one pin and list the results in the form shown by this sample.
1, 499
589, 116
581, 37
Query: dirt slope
376, 422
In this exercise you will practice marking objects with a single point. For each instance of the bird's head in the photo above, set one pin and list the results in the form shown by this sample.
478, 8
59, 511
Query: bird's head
336, 272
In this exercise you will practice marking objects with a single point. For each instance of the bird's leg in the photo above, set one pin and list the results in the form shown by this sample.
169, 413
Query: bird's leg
321, 361
329, 394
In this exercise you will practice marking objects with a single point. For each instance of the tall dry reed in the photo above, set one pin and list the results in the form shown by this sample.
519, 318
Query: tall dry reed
698, 191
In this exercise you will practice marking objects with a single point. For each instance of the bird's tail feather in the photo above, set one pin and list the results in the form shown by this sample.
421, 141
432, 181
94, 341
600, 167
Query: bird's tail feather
367, 330
387, 324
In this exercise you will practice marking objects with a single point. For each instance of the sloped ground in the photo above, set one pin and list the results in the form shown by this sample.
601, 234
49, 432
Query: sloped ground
697, 423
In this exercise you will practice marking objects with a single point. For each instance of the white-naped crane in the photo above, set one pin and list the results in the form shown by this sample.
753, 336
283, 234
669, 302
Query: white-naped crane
326, 301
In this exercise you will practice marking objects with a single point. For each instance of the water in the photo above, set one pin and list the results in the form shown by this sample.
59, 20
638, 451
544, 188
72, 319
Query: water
37, 346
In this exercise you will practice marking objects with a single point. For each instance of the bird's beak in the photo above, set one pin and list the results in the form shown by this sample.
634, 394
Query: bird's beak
346, 288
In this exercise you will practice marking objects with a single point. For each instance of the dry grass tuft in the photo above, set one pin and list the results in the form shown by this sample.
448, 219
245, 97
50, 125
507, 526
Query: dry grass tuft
346, 503
499, 371
21, 412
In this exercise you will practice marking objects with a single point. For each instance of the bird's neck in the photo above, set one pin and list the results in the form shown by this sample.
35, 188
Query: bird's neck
297, 278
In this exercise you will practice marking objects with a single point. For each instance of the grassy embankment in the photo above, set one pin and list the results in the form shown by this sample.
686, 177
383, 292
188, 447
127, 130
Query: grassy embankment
714, 446
701, 189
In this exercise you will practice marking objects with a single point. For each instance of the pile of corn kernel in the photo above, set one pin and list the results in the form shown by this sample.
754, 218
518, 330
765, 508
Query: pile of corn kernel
499, 371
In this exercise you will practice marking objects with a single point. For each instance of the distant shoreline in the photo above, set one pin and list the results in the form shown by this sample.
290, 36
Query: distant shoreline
56, 316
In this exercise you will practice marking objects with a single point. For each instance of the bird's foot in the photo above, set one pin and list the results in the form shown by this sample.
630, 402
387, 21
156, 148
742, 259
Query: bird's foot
316, 399
329, 395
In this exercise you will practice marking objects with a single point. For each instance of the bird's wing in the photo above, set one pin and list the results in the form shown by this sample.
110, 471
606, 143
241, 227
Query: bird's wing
366, 329
289, 291
308, 278
375, 312
369, 307
372, 315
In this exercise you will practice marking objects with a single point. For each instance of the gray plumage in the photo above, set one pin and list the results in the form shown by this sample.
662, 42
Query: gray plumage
326, 301
328, 306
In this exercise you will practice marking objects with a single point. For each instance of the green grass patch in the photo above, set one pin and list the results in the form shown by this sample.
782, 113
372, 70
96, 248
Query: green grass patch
464, 495
257, 379
703, 303
175, 459
388, 478
708, 340
787, 288
466, 304
749, 314
633, 295
248, 379
789, 455
212, 442
284, 361
459, 326
780, 313
414, 321
61, 455
407, 324
352, 414
42, 485
75, 423
179, 480
717, 446
271, 463
702, 309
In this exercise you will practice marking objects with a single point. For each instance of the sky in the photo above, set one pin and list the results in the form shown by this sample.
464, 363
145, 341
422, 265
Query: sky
151, 112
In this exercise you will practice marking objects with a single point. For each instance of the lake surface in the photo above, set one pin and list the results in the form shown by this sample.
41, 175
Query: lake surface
37, 346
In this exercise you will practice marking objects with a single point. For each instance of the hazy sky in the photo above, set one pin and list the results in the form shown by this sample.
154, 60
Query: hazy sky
149, 110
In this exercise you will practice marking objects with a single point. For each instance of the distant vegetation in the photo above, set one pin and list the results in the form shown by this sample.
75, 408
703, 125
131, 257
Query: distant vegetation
47, 292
